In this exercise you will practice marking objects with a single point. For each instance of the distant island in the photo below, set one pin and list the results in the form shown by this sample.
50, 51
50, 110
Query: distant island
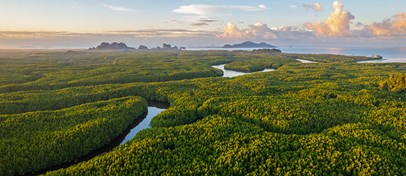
168, 47
112, 46
249, 44
123, 47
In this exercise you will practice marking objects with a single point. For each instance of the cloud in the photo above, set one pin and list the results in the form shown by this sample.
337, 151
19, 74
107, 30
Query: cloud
169, 33
200, 24
145, 33
173, 21
395, 26
248, 8
68, 40
204, 9
118, 8
203, 22
232, 31
316, 6
206, 20
38, 34
261, 31
337, 24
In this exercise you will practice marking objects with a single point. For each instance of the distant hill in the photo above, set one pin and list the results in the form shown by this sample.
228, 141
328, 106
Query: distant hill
249, 44
112, 46
123, 47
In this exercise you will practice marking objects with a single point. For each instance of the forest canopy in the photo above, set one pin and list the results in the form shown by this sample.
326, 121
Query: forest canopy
333, 117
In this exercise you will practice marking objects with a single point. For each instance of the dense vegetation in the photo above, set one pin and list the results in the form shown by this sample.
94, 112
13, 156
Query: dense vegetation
332, 118
59, 70
259, 62
35, 140
396, 83
328, 58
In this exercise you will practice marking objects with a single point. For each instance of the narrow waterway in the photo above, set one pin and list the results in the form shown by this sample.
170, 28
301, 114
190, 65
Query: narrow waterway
145, 123
140, 123
232, 73
306, 61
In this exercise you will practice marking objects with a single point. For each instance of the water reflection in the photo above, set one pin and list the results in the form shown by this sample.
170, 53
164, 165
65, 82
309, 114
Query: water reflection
231, 73
145, 123
305, 61
385, 61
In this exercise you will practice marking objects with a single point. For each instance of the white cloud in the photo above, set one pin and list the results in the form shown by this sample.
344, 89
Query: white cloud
262, 6
337, 24
247, 8
294, 6
204, 9
198, 9
118, 8
317, 7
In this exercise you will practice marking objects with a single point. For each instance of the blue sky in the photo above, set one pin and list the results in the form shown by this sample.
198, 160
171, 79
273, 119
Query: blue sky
55, 23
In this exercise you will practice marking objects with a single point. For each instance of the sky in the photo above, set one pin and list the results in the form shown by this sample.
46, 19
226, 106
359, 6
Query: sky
199, 23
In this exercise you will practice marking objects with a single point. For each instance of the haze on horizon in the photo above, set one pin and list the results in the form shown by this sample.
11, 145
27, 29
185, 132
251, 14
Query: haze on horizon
82, 24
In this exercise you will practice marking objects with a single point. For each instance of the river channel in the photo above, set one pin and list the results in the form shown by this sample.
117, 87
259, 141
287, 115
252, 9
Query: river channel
231, 73
140, 123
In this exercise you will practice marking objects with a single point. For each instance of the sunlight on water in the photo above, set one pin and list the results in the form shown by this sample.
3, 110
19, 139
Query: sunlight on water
305, 61
231, 73
152, 112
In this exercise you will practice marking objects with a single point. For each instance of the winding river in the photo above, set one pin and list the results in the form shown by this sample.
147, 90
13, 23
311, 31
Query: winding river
231, 73
140, 123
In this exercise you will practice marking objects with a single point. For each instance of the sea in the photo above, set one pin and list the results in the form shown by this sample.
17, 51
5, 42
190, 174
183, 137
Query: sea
389, 54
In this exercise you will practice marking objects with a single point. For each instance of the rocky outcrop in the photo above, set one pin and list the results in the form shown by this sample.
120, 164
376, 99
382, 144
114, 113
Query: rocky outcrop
142, 47
167, 47
112, 46
123, 47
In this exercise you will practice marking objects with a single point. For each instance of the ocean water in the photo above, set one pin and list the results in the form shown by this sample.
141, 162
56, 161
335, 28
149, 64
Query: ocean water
389, 54
395, 54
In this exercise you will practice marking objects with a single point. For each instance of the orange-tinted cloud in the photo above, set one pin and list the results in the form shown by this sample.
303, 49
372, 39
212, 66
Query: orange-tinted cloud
261, 32
316, 6
337, 24
395, 26
231, 31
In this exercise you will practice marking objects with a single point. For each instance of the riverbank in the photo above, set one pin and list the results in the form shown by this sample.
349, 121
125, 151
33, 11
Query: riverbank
389, 54
232, 73
140, 123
